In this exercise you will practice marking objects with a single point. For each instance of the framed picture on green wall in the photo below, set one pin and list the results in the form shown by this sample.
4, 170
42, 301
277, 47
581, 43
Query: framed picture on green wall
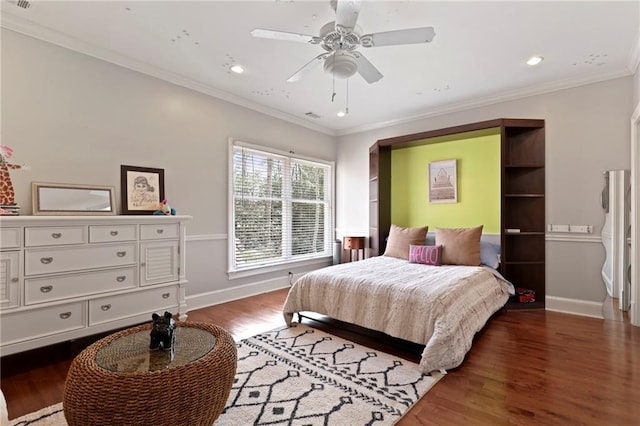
443, 182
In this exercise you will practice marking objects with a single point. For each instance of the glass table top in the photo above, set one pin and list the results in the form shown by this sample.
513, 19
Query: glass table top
131, 353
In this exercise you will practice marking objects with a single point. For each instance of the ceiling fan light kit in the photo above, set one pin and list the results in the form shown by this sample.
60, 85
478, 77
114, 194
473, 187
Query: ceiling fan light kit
341, 64
341, 38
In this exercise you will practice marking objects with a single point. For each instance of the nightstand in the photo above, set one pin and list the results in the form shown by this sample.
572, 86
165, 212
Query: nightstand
353, 249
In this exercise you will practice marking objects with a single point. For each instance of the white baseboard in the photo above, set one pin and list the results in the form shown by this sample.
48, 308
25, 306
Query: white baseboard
585, 308
217, 297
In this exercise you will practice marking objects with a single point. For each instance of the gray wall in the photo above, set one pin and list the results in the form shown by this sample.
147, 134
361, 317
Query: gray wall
76, 119
587, 132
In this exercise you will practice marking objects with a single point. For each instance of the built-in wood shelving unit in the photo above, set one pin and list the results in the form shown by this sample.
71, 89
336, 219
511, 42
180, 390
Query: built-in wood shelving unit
522, 197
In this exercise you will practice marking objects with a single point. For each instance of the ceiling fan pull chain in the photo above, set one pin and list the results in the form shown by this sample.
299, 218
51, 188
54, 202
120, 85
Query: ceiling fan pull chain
333, 96
346, 109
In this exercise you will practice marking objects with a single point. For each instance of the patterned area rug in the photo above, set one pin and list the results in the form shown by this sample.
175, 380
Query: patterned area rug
303, 376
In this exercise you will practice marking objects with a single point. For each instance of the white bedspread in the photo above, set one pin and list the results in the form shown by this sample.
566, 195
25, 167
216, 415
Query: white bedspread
441, 307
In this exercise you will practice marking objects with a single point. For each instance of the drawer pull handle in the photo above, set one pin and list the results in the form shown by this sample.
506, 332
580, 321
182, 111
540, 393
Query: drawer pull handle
121, 253
166, 295
46, 260
15, 279
114, 233
105, 307
121, 278
143, 264
159, 231
56, 235
65, 315
46, 288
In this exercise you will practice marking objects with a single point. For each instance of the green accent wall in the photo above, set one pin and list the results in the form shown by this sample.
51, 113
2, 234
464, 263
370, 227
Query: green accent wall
478, 179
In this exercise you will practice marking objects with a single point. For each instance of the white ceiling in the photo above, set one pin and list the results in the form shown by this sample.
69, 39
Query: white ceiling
477, 56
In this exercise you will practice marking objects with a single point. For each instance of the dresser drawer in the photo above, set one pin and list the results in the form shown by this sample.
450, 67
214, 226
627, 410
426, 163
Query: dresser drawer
112, 234
42, 322
62, 259
160, 231
46, 289
54, 236
112, 308
9, 238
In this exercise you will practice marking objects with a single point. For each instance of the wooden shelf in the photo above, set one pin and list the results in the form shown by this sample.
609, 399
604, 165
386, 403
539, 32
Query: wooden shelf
524, 195
524, 233
519, 166
525, 262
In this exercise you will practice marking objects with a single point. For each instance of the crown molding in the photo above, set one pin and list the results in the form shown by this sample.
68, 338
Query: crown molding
28, 28
538, 89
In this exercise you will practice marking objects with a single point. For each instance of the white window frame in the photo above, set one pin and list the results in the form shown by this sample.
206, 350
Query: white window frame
287, 263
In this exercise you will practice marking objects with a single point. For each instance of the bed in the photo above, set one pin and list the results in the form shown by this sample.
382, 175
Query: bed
441, 307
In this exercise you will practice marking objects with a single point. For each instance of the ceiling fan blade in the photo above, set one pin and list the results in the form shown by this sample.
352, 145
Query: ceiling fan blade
391, 38
366, 68
347, 15
307, 67
282, 35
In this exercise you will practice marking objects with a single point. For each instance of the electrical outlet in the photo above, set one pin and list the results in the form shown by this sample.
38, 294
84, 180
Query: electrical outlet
558, 228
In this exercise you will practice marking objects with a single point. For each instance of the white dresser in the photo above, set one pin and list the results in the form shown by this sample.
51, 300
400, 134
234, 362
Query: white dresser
64, 277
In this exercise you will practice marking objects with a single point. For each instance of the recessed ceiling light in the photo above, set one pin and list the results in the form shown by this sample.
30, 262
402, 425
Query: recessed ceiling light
534, 60
341, 114
237, 69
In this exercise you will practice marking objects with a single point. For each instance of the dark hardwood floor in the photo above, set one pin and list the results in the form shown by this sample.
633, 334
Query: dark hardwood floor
525, 368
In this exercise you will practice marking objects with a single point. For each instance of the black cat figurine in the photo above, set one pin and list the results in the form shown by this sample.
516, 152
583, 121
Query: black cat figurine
162, 336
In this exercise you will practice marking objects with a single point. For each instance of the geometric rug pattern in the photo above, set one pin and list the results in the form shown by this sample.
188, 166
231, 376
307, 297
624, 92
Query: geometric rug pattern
303, 376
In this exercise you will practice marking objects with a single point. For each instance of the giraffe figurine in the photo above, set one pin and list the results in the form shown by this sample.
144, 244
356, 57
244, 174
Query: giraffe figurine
7, 194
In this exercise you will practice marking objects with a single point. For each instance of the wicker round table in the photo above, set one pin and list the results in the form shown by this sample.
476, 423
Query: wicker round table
119, 381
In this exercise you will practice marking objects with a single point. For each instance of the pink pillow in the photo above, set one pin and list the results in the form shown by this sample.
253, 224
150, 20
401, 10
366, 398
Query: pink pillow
427, 255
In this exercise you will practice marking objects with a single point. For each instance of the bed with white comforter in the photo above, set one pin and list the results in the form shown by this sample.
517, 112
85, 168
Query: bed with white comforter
441, 307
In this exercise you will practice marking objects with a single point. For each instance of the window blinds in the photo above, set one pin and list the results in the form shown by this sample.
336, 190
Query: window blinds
281, 208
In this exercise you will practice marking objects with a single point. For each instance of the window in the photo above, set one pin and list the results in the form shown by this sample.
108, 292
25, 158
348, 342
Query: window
281, 208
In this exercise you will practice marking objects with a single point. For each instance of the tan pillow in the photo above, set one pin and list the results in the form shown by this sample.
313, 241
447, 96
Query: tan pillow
461, 245
401, 238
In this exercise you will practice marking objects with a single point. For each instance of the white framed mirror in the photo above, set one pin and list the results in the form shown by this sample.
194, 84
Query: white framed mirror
69, 199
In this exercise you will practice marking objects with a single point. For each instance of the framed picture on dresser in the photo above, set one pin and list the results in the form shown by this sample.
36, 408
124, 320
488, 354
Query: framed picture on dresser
141, 188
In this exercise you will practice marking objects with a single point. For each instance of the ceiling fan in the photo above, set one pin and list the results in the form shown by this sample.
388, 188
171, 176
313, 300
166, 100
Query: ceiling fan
341, 38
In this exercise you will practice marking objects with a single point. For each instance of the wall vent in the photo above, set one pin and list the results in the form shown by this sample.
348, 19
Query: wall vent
312, 114
23, 4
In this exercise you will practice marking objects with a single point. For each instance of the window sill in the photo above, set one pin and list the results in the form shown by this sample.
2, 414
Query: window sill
258, 270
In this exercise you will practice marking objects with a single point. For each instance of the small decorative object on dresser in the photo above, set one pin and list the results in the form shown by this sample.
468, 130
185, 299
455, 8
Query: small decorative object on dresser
141, 188
162, 336
165, 209
8, 205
